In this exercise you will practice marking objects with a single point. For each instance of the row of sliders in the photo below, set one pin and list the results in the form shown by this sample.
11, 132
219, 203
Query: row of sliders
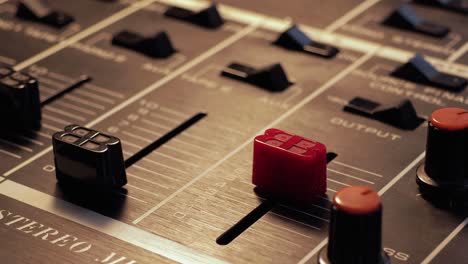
291, 168
404, 17
39, 11
160, 45
20, 92
272, 77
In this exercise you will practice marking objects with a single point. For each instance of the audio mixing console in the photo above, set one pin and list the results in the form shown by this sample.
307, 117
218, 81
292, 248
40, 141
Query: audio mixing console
144, 131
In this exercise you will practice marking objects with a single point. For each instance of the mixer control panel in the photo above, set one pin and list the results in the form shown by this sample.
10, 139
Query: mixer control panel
190, 131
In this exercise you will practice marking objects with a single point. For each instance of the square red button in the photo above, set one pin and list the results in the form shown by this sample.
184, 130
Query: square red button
289, 166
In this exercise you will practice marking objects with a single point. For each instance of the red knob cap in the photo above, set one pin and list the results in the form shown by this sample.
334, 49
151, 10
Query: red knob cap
357, 200
451, 119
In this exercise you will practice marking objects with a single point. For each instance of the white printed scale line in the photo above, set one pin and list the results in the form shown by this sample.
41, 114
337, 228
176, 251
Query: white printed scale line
445, 242
458, 53
356, 11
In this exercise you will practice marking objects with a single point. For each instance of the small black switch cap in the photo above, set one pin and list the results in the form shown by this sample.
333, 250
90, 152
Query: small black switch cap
272, 77
208, 17
419, 70
400, 114
406, 18
157, 46
37, 10
295, 39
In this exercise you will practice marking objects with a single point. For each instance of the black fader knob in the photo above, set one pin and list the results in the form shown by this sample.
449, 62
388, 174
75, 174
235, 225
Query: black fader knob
355, 235
88, 157
399, 114
419, 70
37, 10
208, 17
295, 39
20, 105
157, 46
446, 165
406, 18
272, 78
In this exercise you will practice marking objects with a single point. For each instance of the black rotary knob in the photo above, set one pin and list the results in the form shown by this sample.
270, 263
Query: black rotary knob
446, 165
355, 235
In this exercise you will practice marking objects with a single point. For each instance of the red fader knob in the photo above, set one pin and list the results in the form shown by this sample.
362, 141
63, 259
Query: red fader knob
288, 166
